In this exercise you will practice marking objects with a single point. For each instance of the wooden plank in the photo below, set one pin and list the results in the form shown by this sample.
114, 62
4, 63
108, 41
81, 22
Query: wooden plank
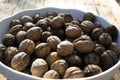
108, 11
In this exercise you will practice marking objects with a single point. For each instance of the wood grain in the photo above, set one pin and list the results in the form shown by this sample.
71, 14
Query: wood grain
109, 9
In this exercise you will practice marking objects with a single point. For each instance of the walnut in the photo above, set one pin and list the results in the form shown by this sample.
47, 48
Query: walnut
26, 18
39, 67
9, 40
91, 70
83, 45
34, 33
15, 22
52, 57
42, 50
20, 61
73, 72
73, 31
68, 17
65, 48
28, 25
20, 36
87, 26
27, 46
60, 66
53, 41
45, 35
37, 17
51, 74
89, 16
9, 54
57, 22
15, 29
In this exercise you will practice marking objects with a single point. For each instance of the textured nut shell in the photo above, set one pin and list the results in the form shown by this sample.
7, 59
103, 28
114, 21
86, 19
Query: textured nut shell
9, 54
60, 66
39, 67
20, 61
34, 33
26, 18
65, 48
42, 50
57, 22
53, 41
73, 32
27, 46
52, 57
20, 36
73, 72
15, 29
51, 74
84, 46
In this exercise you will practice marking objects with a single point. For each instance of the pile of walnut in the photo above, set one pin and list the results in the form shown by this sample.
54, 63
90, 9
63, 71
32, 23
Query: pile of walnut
59, 47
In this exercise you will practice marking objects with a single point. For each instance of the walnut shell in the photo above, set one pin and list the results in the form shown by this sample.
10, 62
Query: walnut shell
83, 45
27, 46
34, 33
9, 40
65, 48
57, 22
20, 61
73, 72
53, 41
15, 29
26, 18
89, 16
39, 67
28, 25
60, 66
20, 36
15, 22
51, 74
52, 57
42, 50
9, 54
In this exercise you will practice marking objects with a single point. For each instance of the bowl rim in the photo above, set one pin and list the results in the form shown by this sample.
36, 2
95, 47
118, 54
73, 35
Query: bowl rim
116, 66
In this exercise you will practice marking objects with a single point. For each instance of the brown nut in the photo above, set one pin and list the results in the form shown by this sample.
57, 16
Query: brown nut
60, 33
73, 31
76, 22
52, 57
68, 17
34, 33
57, 22
92, 58
99, 49
89, 16
51, 13
108, 59
42, 50
20, 61
15, 29
20, 36
87, 26
26, 18
51, 74
112, 31
15, 22
9, 40
53, 41
73, 72
43, 24
28, 25
96, 33
65, 48
83, 45
105, 39
91, 70
2, 52
39, 67
73, 60
9, 54
60, 66
45, 35
27, 46
37, 17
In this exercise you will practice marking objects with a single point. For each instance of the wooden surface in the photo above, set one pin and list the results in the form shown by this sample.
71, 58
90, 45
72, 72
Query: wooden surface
106, 8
